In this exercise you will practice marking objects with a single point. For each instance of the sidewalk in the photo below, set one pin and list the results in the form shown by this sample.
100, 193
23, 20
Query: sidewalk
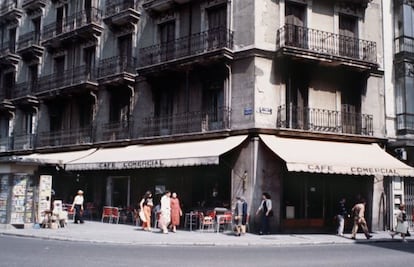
97, 232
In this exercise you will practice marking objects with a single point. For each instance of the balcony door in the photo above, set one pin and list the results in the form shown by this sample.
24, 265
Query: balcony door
36, 30
59, 71
90, 64
12, 40
167, 37
8, 83
164, 110
217, 27
61, 15
295, 23
213, 99
351, 119
125, 52
348, 36
297, 113
33, 77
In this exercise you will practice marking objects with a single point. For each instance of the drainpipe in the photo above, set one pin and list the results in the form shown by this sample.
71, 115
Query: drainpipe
255, 141
228, 94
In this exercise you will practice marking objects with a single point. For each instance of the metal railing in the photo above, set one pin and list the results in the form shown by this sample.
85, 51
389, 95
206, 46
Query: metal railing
6, 143
28, 39
114, 7
190, 122
70, 77
322, 120
6, 7
116, 65
73, 22
191, 45
117, 130
24, 88
404, 44
23, 141
326, 43
65, 137
8, 48
405, 122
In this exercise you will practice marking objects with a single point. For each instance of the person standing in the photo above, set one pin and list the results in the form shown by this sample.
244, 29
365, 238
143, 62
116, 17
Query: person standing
165, 217
78, 206
146, 205
266, 209
341, 215
240, 215
358, 212
402, 224
176, 212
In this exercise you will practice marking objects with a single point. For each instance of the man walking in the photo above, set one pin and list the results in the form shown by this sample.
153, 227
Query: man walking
342, 214
359, 219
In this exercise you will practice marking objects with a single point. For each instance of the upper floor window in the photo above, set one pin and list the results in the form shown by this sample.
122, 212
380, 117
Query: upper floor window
217, 17
295, 14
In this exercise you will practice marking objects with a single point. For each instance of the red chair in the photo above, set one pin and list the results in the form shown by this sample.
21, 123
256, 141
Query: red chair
206, 221
115, 215
224, 220
107, 213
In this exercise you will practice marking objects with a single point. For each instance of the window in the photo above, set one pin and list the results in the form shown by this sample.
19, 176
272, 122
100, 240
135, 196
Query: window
295, 20
33, 77
36, 26
61, 14
217, 27
348, 36
125, 51
12, 40
89, 60
167, 37
29, 119
8, 84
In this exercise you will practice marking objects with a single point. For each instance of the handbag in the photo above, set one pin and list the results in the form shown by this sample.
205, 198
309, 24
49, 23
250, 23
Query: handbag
270, 213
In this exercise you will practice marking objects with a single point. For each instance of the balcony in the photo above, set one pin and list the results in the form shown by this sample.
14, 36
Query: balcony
208, 45
10, 13
363, 3
84, 26
29, 46
117, 131
25, 92
117, 70
6, 144
8, 56
405, 123
65, 137
325, 47
121, 14
23, 141
325, 121
189, 122
33, 5
70, 81
404, 46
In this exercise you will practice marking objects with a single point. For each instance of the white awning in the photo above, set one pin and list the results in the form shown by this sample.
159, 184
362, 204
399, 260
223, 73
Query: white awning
54, 158
315, 156
156, 156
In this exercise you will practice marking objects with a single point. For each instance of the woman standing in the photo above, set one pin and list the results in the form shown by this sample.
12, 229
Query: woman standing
266, 209
402, 224
176, 212
78, 206
146, 205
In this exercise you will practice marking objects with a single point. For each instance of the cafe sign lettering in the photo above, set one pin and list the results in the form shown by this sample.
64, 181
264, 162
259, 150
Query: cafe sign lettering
137, 164
324, 168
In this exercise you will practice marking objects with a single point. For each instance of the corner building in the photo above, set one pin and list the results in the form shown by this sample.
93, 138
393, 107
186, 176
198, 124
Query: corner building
198, 96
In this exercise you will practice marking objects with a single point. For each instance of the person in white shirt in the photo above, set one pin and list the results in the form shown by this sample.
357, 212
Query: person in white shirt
165, 217
78, 206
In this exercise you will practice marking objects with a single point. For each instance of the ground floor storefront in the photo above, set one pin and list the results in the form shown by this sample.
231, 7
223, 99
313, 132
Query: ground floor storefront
305, 178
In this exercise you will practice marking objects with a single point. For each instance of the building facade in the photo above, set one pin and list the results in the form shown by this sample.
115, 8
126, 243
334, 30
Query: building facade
209, 98
399, 85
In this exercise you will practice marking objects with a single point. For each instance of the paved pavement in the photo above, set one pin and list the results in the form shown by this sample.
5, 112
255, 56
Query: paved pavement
98, 232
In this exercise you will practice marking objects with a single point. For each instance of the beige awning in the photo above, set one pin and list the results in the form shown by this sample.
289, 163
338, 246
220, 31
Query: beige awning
316, 156
59, 158
193, 153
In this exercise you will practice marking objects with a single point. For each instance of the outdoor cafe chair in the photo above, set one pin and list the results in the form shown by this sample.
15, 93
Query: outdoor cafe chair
107, 213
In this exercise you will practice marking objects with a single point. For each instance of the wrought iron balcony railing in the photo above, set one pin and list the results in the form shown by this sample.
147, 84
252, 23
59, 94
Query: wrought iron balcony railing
23, 141
117, 65
405, 123
113, 7
28, 39
6, 143
76, 21
117, 130
322, 120
327, 43
7, 7
7, 48
65, 137
192, 45
71, 77
24, 88
190, 122
404, 44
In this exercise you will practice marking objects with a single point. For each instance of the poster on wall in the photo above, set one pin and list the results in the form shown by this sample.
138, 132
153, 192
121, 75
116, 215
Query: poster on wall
18, 199
4, 195
45, 192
